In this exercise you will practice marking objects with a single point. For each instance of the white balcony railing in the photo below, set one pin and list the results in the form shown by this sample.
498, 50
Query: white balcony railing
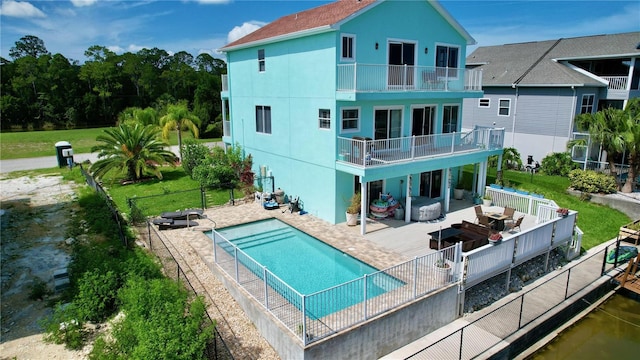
616, 82
370, 153
381, 77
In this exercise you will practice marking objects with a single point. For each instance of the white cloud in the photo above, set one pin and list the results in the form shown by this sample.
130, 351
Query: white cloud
244, 29
20, 9
81, 3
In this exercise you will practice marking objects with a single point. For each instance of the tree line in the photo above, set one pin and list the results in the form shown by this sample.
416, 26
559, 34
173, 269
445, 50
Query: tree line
44, 91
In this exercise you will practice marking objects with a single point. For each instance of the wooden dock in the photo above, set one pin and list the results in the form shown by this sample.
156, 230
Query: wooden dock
629, 278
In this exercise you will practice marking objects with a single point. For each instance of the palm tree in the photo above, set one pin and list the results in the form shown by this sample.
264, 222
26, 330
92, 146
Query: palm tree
605, 127
631, 136
133, 148
179, 118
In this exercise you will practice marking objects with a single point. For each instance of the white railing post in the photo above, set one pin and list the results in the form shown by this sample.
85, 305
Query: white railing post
266, 290
304, 319
415, 277
235, 255
215, 252
404, 77
453, 142
364, 301
413, 146
355, 76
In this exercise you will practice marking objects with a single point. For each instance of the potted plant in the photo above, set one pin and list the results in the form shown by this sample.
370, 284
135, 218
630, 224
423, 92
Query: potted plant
562, 212
458, 191
495, 238
353, 209
486, 200
442, 270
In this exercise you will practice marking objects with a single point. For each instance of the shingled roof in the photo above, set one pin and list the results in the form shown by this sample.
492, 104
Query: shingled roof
318, 17
541, 63
321, 17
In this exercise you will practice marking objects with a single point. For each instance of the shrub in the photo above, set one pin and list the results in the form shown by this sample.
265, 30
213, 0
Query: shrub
38, 289
96, 299
558, 164
592, 182
193, 154
63, 327
159, 323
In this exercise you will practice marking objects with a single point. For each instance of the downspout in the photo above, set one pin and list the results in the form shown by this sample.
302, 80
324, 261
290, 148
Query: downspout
515, 113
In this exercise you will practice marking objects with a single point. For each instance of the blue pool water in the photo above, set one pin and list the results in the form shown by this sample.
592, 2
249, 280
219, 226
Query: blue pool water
307, 264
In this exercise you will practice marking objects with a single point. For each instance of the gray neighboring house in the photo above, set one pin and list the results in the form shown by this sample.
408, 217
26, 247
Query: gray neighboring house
535, 89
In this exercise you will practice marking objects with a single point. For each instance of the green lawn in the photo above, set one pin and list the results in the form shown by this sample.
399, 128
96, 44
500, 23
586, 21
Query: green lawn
599, 223
20, 145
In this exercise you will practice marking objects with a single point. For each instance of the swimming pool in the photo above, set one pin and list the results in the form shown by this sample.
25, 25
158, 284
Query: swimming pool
307, 265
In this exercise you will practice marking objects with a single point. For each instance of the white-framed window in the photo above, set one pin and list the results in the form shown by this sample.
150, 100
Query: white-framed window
450, 118
350, 119
484, 103
348, 47
504, 107
447, 57
263, 119
261, 62
587, 104
324, 119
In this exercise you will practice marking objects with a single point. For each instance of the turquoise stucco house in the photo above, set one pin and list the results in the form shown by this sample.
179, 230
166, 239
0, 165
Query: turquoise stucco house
357, 95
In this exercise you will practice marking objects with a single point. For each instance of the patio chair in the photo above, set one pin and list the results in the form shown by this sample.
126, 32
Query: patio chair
484, 220
479, 211
512, 225
509, 212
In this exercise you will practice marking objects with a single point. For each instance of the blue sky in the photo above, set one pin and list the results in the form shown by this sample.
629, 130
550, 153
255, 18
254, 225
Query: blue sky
70, 27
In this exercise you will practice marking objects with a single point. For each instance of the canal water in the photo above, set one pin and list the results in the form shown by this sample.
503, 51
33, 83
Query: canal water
611, 331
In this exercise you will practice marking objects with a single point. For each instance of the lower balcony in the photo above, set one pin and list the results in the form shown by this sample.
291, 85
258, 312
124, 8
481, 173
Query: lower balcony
368, 153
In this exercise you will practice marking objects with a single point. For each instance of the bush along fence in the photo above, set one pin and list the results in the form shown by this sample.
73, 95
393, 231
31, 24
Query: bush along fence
110, 203
216, 347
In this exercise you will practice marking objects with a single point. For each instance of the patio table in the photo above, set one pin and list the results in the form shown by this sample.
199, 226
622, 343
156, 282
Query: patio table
499, 218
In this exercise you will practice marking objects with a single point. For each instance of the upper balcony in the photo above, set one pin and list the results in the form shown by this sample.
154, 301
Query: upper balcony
373, 78
367, 153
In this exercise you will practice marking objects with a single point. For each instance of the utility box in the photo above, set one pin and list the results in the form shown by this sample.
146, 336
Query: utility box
64, 153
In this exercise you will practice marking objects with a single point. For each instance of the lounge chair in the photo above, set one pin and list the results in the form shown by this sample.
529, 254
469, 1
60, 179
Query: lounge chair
184, 214
167, 223
512, 225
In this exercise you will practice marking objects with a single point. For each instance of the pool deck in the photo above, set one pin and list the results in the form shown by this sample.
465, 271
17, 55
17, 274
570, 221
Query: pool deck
387, 242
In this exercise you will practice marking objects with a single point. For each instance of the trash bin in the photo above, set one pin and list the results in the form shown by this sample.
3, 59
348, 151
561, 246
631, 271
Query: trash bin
63, 152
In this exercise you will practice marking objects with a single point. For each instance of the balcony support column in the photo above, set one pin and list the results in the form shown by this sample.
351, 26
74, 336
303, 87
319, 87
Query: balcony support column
407, 210
363, 206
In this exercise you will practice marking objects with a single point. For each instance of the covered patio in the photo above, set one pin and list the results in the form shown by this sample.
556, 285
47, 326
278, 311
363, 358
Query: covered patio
412, 239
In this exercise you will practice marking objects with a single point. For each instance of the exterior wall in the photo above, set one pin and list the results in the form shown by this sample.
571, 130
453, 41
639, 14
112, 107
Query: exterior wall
540, 120
300, 78
409, 21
